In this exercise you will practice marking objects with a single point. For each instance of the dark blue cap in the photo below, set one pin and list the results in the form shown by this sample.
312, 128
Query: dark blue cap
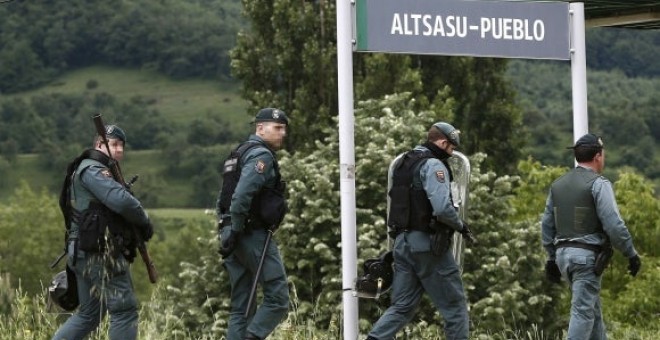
589, 140
115, 132
271, 115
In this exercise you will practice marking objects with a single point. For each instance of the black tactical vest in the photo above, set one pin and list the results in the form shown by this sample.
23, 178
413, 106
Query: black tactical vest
86, 219
231, 173
574, 207
410, 208
65, 193
268, 205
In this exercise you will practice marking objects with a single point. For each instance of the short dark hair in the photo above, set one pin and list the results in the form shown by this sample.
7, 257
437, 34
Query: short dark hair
586, 153
435, 134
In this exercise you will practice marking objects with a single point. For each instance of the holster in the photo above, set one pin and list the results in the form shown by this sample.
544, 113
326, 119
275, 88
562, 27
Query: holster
603, 258
441, 239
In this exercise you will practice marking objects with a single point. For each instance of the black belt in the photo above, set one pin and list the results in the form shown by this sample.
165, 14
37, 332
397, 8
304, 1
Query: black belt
574, 244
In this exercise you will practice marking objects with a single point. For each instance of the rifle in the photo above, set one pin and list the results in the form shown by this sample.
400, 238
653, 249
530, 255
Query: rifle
117, 175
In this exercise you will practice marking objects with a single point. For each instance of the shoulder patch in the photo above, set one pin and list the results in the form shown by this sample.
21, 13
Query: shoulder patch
440, 176
260, 167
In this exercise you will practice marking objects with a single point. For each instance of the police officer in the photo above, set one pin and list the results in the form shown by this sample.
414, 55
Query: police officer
417, 267
246, 227
581, 219
100, 257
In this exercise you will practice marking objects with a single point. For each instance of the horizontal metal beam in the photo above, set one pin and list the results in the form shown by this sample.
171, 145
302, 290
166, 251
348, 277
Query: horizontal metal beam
625, 20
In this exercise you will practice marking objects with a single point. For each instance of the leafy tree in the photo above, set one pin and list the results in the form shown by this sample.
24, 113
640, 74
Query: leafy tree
4, 168
209, 130
610, 48
288, 59
21, 67
379, 73
629, 300
623, 110
9, 149
39, 40
22, 125
485, 106
63, 119
33, 236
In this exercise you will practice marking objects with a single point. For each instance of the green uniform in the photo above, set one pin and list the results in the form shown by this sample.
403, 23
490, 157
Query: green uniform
104, 281
258, 173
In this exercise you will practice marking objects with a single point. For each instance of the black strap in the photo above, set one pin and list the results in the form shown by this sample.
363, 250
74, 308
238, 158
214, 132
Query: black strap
574, 244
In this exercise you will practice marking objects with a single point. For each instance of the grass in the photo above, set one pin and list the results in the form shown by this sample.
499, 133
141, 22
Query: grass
27, 168
29, 317
186, 214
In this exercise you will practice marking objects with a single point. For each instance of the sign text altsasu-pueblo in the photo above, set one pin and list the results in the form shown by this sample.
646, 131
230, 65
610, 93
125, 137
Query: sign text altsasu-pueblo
512, 29
458, 26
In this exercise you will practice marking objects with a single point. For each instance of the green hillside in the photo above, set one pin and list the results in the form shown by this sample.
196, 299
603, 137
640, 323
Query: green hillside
178, 102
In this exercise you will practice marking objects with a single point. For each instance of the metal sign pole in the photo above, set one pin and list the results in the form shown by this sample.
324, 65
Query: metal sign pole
347, 166
578, 70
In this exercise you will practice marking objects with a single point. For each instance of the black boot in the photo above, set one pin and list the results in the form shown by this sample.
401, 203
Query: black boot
371, 338
251, 337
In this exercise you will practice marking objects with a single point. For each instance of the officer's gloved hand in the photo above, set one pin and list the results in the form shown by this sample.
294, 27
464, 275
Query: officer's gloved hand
229, 242
634, 263
467, 233
147, 232
552, 272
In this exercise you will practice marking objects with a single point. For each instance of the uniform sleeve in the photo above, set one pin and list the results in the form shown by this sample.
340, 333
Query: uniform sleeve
435, 178
99, 182
548, 228
256, 165
608, 213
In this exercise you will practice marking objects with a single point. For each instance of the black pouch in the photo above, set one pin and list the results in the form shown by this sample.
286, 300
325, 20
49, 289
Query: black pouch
91, 237
272, 205
441, 241
399, 213
603, 259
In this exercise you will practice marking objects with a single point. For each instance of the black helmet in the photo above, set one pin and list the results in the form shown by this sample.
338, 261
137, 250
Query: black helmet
377, 278
452, 134
63, 290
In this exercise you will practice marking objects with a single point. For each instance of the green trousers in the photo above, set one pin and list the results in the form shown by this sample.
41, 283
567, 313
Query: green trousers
242, 266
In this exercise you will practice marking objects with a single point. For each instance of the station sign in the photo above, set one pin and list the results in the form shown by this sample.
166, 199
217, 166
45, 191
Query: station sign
508, 29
